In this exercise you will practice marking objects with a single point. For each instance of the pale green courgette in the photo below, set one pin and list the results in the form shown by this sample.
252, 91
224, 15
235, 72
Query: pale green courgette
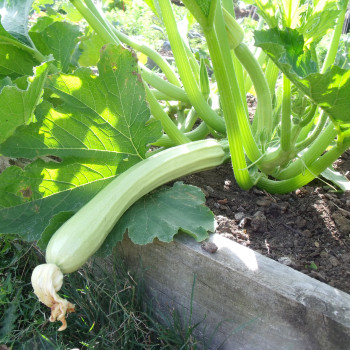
81, 236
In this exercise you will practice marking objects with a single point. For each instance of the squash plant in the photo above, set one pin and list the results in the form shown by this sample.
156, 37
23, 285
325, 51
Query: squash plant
88, 132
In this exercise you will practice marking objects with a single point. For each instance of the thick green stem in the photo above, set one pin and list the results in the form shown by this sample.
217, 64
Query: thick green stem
101, 28
34, 52
240, 79
176, 135
312, 137
333, 47
160, 84
309, 117
286, 123
154, 55
313, 152
162, 96
262, 59
191, 119
220, 49
189, 82
271, 75
252, 66
230, 99
199, 133
304, 177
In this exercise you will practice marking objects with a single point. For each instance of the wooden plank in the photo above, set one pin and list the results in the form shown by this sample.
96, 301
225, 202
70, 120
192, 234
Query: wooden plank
245, 299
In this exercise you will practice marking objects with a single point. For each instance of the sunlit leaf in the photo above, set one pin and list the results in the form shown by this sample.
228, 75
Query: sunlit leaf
331, 90
17, 106
268, 9
14, 18
98, 131
90, 47
319, 21
59, 39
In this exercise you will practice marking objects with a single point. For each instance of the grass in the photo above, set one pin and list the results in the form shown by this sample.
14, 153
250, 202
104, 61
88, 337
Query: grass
112, 312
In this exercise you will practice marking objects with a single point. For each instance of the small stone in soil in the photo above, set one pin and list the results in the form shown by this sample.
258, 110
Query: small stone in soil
274, 209
333, 261
239, 216
259, 222
264, 202
307, 233
210, 189
346, 257
324, 254
342, 222
243, 223
318, 276
209, 247
258, 192
300, 222
285, 260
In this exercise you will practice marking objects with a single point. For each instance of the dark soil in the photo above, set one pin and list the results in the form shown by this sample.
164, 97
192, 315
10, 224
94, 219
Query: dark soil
308, 230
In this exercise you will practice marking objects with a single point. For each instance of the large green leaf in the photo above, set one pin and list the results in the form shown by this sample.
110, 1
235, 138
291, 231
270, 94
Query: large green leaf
5, 82
90, 47
99, 131
319, 21
30, 198
331, 90
17, 56
343, 55
268, 9
59, 39
17, 106
14, 18
14, 61
161, 215
312, 19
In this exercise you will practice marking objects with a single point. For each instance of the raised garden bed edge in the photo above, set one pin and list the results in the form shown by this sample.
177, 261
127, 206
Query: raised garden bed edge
242, 299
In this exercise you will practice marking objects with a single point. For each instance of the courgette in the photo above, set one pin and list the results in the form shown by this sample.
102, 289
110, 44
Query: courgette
81, 236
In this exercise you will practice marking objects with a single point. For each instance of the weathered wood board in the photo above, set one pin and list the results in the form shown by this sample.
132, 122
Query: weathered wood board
244, 300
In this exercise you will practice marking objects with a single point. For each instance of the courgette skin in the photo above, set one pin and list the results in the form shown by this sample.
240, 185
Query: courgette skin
81, 236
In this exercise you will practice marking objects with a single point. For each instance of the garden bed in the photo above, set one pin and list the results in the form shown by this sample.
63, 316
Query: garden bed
263, 303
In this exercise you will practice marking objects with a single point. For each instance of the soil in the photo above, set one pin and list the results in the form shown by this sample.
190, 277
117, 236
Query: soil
308, 230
